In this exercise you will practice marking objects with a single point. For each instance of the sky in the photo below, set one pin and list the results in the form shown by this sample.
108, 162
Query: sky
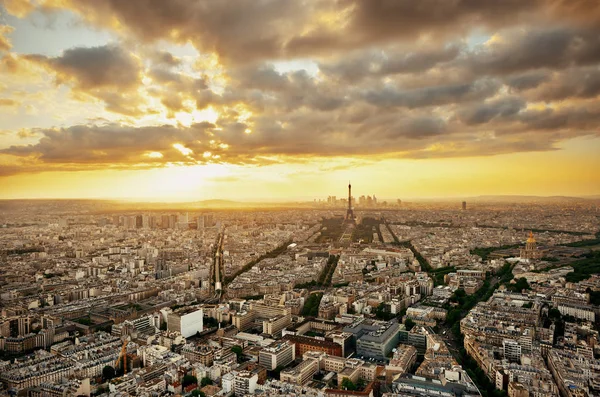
187, 100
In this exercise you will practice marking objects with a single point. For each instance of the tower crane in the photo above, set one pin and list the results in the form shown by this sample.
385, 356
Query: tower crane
123, 355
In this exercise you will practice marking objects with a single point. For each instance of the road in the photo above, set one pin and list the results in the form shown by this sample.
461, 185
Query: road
217, 269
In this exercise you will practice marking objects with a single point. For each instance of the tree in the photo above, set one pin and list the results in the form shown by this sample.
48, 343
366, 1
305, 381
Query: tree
100, 390
382, 312
198, 393
361, 384
189, 380
554, 313
238, 352
409, 324
108, 372
520, 285
347, 384
453, 316
210, 322
205, 381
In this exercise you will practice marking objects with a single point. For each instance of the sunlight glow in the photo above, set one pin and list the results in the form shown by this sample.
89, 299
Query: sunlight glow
154, 155
185, 151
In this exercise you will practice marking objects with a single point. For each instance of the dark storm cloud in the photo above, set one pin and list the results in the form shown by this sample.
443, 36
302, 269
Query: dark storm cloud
387, 19
384, 21
581, 120
262, 86
432, 96
244, 30
519, 51
112, 143
484, 113
418, 61
387, 62
164, 58
236, 29
249, 30
425, 127
527, 80
108, 73
263, 77
94, 67
569, 84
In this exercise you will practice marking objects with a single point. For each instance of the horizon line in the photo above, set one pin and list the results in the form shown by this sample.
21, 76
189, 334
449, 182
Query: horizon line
304, 199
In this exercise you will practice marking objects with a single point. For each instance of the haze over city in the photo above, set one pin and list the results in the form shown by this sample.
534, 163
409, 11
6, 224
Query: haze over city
300, 198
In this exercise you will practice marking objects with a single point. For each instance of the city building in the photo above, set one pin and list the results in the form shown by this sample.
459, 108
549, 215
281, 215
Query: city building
374, 339
278, 354
187, 321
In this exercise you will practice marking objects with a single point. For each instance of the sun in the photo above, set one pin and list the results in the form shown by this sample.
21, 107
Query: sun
209, 115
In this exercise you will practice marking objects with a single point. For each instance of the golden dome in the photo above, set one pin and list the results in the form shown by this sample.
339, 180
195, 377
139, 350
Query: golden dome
531, 239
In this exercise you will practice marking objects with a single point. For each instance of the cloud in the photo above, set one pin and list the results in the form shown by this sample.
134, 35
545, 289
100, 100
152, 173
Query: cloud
301, 134
432, 96
319, 78
385, 62
580, 120
4, 42
249, 30
527, 80
385, 20
18, 8
554, 48
8, 102
10, 64
572, 83
235, 29
109, 73
164, 58
90, 68
499, 108
111, 144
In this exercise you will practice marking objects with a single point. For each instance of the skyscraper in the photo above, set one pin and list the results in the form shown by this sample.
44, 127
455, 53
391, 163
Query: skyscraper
464, 205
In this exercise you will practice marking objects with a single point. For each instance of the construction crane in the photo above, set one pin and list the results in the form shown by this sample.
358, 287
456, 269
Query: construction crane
123, 355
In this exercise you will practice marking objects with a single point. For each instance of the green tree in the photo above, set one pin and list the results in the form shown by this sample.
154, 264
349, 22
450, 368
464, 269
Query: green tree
409, 324
238, 352
210, 322
205, 381
361, 384
453, 316
347, 384
554, 313
100, 390
198, 393
382, 312
189, 380
108, 372
520, 285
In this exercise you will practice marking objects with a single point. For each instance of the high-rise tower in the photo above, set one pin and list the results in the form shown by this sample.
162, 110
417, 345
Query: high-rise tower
350, 213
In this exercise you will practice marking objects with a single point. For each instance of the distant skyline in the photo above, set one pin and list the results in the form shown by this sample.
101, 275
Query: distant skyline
288, 100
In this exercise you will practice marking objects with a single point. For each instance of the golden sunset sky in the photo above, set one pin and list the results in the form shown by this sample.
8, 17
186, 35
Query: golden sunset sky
185, 100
